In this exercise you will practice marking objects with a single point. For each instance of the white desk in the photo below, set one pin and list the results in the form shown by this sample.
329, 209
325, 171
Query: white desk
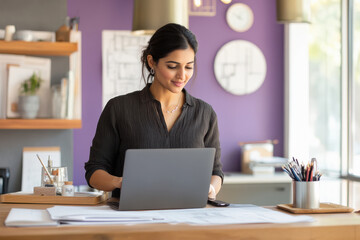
262, 190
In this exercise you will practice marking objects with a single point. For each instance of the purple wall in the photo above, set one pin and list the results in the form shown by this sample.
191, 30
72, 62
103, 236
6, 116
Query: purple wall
253, 117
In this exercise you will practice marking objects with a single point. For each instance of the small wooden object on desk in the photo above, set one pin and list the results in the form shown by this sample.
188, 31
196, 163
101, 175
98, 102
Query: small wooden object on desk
324, 208
45, 191
77, 199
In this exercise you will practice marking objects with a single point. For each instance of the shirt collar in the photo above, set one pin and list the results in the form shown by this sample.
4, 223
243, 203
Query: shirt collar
146, 95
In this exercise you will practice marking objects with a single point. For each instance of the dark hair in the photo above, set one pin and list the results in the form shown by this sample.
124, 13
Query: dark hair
166, 39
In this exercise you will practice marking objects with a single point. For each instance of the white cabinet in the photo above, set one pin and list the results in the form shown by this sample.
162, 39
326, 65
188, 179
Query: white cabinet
261, 190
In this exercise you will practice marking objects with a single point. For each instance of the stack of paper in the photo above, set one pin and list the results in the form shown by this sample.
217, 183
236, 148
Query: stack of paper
101, 215
22, 217
235, 214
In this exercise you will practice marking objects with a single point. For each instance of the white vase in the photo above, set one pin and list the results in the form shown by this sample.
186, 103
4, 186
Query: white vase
29, 106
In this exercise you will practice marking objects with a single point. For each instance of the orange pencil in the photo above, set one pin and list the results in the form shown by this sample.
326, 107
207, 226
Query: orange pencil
311, 171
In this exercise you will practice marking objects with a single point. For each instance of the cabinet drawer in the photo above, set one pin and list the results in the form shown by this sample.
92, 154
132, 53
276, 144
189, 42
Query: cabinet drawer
262, 194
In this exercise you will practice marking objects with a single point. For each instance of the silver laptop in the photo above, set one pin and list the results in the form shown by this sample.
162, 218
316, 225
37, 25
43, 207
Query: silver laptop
166, 178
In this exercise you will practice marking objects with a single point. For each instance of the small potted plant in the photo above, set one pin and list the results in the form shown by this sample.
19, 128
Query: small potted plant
29, 102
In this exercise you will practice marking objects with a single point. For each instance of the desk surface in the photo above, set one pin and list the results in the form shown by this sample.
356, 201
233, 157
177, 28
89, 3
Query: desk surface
327, 226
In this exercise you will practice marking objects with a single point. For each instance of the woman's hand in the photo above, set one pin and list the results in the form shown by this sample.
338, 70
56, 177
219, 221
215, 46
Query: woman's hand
212, 192
215, 185
104, 181
117, 182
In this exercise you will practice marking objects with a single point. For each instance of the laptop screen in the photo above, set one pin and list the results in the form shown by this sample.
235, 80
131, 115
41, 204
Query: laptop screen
166, 178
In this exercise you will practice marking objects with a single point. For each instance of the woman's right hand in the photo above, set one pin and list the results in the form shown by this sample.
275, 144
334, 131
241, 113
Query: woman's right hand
104, 181
117, 182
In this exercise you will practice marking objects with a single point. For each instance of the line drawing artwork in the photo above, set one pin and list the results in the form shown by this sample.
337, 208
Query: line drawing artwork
121, 65
240, 67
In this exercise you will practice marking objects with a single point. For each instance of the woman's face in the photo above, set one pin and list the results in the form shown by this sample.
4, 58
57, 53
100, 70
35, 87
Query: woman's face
175, 70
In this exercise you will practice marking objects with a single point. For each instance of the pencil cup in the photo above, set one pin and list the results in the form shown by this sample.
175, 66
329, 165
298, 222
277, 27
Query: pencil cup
58, 176
306, 195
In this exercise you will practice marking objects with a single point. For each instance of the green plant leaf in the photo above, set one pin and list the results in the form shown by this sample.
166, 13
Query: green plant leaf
31, 85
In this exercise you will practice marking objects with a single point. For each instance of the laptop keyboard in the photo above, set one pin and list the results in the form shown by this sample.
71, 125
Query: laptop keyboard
113, 205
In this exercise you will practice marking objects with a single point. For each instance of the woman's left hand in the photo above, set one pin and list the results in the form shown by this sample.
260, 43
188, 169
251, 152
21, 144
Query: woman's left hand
212, 192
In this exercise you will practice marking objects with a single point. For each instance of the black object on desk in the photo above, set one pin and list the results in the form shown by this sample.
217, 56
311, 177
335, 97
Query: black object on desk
218, 203
5, 175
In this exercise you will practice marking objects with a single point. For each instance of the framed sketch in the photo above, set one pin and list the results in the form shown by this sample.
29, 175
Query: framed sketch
121, 53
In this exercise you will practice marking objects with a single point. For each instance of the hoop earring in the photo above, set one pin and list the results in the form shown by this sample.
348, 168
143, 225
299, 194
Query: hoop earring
152, 72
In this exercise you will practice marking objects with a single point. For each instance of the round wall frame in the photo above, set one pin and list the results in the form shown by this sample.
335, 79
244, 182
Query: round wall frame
240, 67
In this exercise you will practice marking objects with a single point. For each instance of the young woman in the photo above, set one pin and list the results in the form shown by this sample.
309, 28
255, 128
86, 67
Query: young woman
162, 115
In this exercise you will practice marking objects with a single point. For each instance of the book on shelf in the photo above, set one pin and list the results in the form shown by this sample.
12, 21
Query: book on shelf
71, 96
60, 99
75, 64
64, 98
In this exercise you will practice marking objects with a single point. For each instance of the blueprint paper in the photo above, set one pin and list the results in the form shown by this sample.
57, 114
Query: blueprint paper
235, 214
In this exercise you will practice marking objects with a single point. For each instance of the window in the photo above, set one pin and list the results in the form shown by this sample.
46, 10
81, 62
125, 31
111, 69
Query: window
330, 99
325, 84
354, 166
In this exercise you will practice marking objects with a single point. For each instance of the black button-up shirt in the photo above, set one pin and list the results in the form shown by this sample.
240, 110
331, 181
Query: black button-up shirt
135, 121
